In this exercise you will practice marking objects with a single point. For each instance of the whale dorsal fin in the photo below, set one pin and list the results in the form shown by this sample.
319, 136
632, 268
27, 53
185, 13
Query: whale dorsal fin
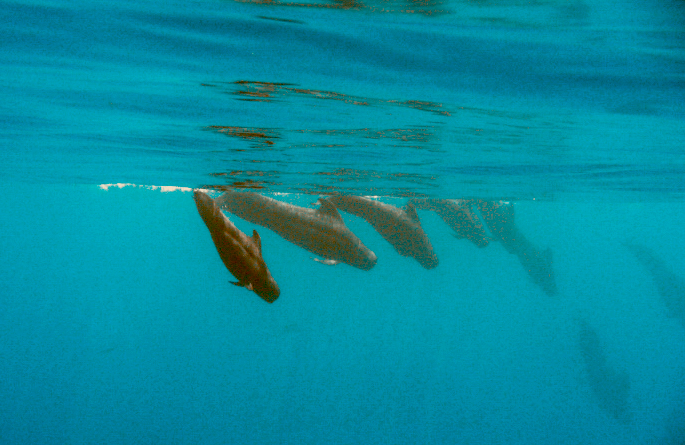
327, 208
257, 240
411, 212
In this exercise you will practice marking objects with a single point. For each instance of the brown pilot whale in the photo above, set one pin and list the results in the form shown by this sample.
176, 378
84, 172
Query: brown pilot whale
400, 227
459, 215
320, 231
241, 254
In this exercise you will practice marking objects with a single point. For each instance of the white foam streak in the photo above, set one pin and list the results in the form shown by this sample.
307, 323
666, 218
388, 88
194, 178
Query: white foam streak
162, 188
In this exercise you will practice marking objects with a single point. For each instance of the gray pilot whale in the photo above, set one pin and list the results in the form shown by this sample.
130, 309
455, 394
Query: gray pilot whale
400, 227
320, 231
499, 216
610, 386
241, 254
670, 287
459, 215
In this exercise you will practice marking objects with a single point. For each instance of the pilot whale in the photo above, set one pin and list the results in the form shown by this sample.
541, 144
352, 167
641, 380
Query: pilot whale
400, 227
320, 231
459, 215
610, 386
670, 287
241, 254
499, 217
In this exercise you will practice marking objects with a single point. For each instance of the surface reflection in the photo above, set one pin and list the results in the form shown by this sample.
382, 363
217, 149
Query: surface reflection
340, 181
264, 137
280, 154
272, 91
485, 152
258, 136
425, 7
569, 13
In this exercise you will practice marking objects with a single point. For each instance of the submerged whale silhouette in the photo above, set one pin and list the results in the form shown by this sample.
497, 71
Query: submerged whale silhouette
499, 217
610, 386
400, 227
459, 215
241, 254
320, 231
670, 287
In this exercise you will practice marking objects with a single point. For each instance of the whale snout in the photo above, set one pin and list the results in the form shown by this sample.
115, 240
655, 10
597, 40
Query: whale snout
268, 291
428, 261
367, 261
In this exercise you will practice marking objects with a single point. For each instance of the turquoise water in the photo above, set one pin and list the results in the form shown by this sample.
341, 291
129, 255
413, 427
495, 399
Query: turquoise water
118, 322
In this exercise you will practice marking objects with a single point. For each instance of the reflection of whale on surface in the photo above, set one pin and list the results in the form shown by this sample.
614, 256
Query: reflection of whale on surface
241, 254
400, 227
499, 216
671, 288
320, 231
459, 215
611, 388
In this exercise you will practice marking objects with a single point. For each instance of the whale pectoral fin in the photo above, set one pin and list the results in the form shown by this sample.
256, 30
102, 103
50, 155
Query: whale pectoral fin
247, 286
257, 240
411, 211
327, 208
326, 262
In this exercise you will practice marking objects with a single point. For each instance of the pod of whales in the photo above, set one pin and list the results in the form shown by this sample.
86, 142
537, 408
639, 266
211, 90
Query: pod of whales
321, 231
241, 254
471, 218
400, 227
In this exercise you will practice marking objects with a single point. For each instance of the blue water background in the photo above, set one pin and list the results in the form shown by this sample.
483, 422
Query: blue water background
118, 323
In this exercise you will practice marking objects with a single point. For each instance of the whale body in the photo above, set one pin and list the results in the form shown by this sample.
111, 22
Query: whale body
670, 287
241, 254
611, 387
400, 227
320, 231
499, 217
459, 215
